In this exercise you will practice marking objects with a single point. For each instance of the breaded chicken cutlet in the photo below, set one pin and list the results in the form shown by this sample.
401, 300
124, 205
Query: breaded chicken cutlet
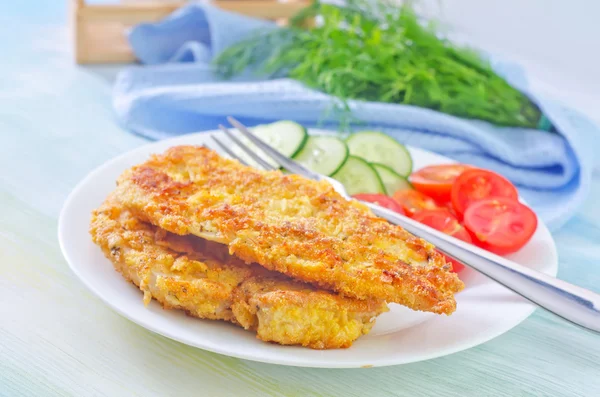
289, 224
200, 277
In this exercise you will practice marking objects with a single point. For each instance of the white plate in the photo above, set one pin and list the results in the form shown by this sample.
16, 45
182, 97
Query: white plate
485, 309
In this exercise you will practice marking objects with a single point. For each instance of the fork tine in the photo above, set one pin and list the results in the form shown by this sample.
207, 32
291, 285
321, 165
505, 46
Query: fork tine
286, 162
227, 150
246, 149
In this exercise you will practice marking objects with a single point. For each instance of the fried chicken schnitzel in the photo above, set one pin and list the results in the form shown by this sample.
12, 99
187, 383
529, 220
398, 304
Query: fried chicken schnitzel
291, 225
200, 277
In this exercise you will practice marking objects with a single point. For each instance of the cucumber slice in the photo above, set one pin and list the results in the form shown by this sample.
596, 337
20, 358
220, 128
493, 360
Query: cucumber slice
323, 154
286, 136
377, 147
392, 181
358, 176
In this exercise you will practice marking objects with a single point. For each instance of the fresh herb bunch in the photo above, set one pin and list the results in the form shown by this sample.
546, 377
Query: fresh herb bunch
377, 52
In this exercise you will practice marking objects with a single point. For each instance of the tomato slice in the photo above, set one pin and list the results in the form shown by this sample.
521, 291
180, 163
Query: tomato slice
499, 224
413, 201
445, 222
436, 180
476, 184
448, 206
381, 200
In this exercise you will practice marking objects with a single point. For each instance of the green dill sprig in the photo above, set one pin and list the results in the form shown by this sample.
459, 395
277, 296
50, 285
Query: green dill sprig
381, 53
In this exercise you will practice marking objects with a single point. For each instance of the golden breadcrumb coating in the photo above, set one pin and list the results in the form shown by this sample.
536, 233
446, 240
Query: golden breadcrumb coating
289, 224
200, 277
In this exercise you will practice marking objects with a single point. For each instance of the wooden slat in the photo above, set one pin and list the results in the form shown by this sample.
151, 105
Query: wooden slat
99, 30
151, 11
128, 13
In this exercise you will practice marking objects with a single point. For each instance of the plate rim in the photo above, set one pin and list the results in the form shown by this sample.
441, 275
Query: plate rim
283, 359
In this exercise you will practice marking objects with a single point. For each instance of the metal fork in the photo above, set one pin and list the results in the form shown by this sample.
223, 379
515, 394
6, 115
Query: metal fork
572, 303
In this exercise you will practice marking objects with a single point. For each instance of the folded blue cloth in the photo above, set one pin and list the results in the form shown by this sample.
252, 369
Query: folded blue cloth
176, 92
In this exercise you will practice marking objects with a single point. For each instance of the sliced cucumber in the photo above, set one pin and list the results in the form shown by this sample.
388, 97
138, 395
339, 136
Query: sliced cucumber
377, 147
392, 181
358, 176
286, 136
323, 154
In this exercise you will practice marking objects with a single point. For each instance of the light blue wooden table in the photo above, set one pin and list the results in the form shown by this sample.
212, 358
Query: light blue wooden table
56, 338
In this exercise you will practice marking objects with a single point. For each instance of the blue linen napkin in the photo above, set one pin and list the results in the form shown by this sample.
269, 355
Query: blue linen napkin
176, 92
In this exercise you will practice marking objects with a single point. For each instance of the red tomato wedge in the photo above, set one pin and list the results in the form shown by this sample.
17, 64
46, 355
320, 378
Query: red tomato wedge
448, 206
381, 200
436, 180
476, 184
499, 224
445, 222
413, 201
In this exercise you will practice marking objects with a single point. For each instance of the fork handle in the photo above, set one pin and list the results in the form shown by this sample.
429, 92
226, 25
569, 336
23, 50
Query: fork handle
575, 304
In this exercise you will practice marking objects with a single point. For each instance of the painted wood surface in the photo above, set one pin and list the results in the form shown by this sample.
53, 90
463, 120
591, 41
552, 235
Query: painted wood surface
57, 339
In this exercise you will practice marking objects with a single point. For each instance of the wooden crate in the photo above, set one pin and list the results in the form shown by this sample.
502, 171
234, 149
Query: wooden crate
99, 30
